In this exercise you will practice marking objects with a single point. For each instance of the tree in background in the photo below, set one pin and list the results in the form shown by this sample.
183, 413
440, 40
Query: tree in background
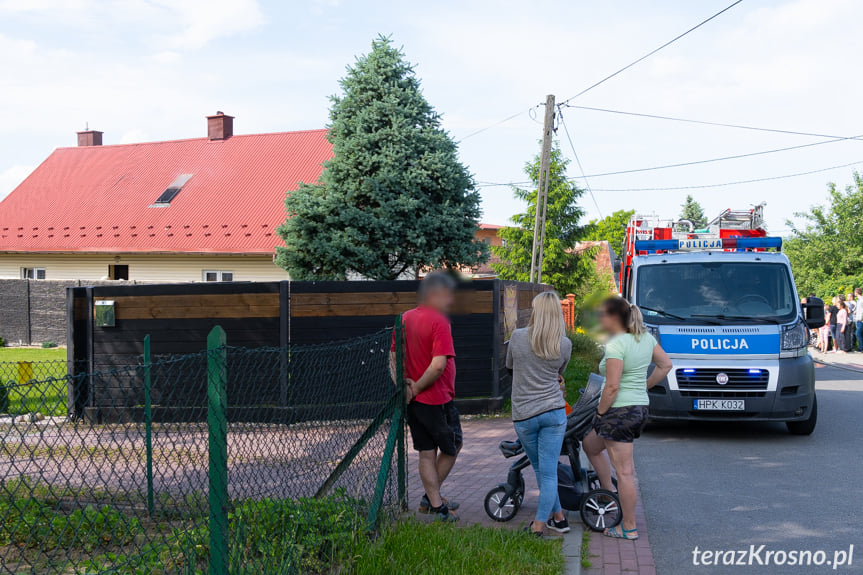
394, 199
563, 267
611, 229
827, 252
693, 212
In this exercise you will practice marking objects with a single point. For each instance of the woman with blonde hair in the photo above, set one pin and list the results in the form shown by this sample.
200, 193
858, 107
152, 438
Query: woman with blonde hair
622, 411
537, 357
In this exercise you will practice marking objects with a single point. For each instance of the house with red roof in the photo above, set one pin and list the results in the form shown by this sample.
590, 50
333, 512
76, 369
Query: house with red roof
198, 209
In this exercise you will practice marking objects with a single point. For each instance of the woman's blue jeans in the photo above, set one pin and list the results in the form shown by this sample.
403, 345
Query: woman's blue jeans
542, 439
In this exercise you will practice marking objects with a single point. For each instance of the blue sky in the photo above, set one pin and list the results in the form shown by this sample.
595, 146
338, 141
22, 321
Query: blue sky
144, 70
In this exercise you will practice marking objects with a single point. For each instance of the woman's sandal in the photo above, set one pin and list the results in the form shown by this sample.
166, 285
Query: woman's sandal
622, 534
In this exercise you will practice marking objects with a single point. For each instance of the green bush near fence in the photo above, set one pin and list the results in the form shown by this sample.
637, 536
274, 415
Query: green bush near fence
266, 536
586, 354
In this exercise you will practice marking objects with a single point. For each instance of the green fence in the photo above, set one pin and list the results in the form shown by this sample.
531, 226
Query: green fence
276, 460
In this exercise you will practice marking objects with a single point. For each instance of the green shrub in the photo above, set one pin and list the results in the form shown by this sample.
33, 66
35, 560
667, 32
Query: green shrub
287, 537
584, 346
48, 344
2, 342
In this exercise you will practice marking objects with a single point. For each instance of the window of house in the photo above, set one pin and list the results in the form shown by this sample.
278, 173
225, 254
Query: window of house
164, 200
218, 276
33, 273
118, 272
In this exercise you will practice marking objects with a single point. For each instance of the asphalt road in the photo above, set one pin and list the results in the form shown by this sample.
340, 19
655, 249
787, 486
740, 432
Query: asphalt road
730, 486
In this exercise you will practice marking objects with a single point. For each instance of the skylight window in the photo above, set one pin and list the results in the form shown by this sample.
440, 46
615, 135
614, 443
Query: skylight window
172, 190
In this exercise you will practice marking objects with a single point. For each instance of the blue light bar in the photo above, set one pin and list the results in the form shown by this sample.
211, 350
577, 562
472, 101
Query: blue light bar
688, 371
755, 371
653, 245
762, 243
708, 244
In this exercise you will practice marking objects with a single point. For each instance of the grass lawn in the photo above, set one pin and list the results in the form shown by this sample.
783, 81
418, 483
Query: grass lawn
15, 354
438, 549
309, 536
47, 394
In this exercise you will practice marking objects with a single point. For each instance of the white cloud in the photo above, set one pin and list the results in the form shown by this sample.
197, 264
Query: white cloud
202, 21
181, 24
134, 136
11, 177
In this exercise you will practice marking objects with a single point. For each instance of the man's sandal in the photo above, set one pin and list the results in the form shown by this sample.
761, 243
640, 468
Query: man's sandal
621, 534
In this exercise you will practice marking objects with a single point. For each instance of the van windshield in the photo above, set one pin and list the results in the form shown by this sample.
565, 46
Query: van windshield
720, 292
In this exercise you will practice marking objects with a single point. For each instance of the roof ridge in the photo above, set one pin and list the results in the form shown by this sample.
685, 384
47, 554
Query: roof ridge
193, 139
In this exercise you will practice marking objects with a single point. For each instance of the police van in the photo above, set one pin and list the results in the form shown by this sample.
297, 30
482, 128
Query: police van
721, 301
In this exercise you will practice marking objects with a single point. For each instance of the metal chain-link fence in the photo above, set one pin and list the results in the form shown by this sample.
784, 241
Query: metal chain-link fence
276, 460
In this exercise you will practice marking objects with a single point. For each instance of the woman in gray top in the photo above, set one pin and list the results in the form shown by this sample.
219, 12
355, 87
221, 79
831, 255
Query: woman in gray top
537, 357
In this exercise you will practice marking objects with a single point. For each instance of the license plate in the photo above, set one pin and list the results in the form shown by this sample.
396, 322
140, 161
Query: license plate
718, 404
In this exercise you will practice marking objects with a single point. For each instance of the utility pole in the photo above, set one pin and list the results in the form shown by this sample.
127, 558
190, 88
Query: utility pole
542, 192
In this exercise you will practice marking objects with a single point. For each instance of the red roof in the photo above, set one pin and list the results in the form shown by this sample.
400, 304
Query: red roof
99, 198
490, 227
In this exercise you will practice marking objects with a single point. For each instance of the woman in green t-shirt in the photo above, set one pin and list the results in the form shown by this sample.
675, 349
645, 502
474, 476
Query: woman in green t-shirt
622, 411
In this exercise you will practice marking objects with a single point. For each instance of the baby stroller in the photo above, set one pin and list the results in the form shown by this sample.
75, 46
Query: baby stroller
578, 488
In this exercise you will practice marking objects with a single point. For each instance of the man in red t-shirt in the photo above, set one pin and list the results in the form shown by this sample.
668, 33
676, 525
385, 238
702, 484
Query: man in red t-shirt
430, 378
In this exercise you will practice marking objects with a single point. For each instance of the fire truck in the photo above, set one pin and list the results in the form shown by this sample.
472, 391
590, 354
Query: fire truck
721, 301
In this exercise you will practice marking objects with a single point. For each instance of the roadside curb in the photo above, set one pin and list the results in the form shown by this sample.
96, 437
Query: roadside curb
844, 366
572, 547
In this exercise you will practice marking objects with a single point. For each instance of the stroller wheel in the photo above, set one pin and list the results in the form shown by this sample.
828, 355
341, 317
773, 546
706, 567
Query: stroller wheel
600, 509
593, 480
500, 507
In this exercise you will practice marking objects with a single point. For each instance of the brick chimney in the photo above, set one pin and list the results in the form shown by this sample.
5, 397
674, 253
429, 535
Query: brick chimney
90, 138
220, 126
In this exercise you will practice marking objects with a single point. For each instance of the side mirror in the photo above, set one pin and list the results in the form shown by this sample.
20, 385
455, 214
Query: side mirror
813, 311
617, 266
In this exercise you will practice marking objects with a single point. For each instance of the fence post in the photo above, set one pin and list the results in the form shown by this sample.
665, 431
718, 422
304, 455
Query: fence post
217, 425
386, 462
401, 463
148, 424
395, 439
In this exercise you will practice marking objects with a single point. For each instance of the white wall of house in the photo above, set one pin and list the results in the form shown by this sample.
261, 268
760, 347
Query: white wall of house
145, 268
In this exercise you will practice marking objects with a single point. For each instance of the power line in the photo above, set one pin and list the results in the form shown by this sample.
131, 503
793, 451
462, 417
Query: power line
699, 162
610, 76
723, 158
704, 186
577, 161
652, 52
502, 184
676, 188
498, 123
686, 120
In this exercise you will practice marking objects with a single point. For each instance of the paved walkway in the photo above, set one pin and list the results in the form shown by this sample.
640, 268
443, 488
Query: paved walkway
481, 467
615, 556
851, 360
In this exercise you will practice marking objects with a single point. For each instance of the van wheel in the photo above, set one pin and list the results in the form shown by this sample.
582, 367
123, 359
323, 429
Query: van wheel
807, 426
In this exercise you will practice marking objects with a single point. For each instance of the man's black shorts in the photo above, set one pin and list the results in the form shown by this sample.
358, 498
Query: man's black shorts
435, 427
